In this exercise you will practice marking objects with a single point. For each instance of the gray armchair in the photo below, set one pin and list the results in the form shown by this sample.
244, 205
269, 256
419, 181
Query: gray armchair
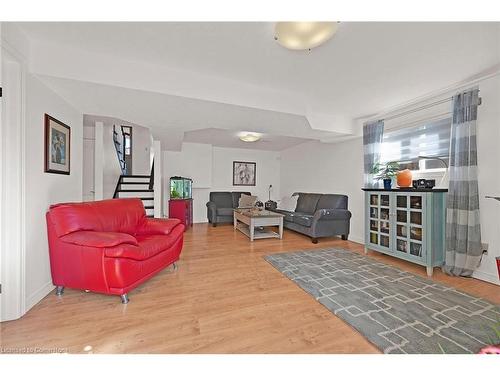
221, 205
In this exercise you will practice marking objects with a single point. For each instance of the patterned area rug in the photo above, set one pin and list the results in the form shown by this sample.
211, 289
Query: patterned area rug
396, 310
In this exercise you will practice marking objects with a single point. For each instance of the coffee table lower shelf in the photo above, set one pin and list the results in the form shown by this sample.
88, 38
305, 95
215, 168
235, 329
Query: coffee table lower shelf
258, 233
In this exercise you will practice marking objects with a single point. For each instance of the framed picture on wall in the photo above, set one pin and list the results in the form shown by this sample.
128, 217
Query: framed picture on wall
244, 173
57, 146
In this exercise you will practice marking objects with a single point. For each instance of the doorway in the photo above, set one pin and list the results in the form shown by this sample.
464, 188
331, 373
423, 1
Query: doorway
127, 148
88, 169
12, 191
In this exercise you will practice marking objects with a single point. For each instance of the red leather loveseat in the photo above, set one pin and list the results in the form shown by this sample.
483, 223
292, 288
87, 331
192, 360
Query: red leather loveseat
109, 246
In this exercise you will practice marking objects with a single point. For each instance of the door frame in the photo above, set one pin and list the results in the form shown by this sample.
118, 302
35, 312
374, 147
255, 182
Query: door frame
12, 187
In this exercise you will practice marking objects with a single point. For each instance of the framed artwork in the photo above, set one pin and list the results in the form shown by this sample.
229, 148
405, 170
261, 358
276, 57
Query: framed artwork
244, 173
57, 146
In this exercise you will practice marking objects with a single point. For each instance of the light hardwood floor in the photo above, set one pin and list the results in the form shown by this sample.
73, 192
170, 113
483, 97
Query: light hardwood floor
224, 298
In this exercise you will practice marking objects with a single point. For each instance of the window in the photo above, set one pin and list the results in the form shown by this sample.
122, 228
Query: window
431, 139
127, 144
127, 140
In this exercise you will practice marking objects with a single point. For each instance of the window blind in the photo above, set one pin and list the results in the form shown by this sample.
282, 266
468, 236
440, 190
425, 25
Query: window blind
427, 139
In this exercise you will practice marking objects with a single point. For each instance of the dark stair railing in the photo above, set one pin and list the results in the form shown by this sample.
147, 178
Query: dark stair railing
119, 151
152, 176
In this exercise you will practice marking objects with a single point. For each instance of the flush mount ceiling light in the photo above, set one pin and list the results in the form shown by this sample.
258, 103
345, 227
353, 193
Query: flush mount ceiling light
249, 137
303, 35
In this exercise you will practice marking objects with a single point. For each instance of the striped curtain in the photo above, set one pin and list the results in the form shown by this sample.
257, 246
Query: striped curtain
463, 230
373, 133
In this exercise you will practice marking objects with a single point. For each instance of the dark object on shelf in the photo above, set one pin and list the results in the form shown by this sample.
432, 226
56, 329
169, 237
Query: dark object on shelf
412, 189
270, 205
387, 183
422, 183
259, 204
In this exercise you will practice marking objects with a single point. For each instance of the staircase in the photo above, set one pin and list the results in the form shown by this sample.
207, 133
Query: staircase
119, 151
137, 186
133, 186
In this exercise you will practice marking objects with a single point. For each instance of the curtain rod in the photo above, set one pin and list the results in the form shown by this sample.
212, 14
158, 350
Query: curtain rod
430, 105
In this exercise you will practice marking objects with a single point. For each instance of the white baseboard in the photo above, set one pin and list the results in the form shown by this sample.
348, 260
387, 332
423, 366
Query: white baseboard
356, 239
36, 297
488, 277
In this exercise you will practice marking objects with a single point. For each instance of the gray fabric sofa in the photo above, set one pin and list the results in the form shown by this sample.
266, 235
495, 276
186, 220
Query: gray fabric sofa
319, 215
221, 205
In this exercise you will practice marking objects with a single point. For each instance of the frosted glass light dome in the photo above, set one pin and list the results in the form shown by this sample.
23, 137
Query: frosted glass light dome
304, 35
250, 137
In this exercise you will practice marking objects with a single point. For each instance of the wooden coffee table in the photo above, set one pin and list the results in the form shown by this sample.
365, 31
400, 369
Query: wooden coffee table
255, 223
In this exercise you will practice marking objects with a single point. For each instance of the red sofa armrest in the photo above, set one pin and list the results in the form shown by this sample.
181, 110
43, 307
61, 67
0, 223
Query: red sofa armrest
157, 226
98, 239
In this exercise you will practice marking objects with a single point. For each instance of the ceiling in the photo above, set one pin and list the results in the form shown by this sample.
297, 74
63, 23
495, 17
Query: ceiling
228, 138
364, 69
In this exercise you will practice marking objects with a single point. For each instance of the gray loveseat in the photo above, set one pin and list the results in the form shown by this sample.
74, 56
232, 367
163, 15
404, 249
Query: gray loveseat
319, 215
221, 205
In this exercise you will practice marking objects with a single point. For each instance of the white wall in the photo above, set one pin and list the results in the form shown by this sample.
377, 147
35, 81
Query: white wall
488, 155
267, 171
142, 143
211, 170
315, 167
44, 189
338, 168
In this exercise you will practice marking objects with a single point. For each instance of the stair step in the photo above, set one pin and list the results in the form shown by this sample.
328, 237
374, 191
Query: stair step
146, 198
135, 194
143, 179
137, 175
135, 190
134, 182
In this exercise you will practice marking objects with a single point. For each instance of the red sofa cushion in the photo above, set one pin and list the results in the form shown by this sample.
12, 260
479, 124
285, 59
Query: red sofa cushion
157, 226
99, 239
123, 215
148, 245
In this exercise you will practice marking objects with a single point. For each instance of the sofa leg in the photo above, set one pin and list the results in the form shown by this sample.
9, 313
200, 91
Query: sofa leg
59, 290
314, 240
175, 266
214, 224
344, 237
124, 298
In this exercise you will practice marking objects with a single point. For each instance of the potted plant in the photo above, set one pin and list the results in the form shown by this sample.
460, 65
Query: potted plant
386, 172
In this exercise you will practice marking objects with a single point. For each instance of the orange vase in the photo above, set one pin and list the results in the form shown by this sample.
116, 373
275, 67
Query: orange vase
404, 178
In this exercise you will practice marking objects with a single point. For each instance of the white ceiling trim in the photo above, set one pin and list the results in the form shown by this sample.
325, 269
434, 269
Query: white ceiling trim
431, 96
63, 61
55, 60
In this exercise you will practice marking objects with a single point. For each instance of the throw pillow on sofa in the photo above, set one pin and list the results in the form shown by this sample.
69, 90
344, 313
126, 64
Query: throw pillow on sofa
247, 201
288, 203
